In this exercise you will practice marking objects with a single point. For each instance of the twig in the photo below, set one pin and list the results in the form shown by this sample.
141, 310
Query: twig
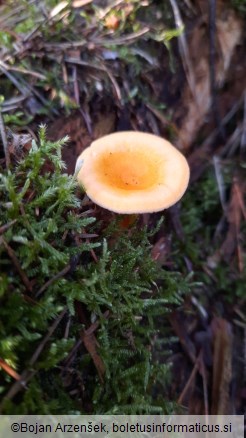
22, 89
165, 122
212, 74
76, 85
47, 19
220, 182
51, 330
243, 137
66, 334
70, 356
12, 103
83, 63
60, 274
9, 370
10, 14
65, 46
244, 352
4, 140
17, 386
128, 39
189, 381
197, 157
113, 5
5, 227
114, 83
240, 198
28, 374
184, 51
232, 143
96, 67
190, 6
90, 343
93, 327
87, 120
17, 265
212, 51
205, 383
224, 121
93, 254
26, 72
43, 100
199, 307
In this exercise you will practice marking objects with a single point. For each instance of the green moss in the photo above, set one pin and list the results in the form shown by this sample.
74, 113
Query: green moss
125, 293
201, 217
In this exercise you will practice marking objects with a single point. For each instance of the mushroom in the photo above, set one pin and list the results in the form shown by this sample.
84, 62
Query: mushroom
132, 172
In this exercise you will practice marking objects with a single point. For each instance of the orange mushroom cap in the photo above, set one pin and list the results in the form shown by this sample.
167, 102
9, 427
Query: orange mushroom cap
133, 172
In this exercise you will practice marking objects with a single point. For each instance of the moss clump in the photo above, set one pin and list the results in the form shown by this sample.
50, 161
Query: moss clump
205, 245
52, 290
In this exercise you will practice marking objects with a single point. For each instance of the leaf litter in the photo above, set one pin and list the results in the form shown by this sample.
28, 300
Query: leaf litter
188, 115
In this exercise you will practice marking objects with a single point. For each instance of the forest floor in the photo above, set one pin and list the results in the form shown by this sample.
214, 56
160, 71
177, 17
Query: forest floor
88, 68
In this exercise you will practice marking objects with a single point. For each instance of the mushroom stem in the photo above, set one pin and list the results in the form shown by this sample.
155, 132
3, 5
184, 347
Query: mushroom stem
128, 221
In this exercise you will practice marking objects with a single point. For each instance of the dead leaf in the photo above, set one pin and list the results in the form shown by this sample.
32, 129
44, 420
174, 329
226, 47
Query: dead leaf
80, 3
184, 338
161, 250
222, 366
235, 211
229, 33
18, 144
91, 346
89, 339
58, 8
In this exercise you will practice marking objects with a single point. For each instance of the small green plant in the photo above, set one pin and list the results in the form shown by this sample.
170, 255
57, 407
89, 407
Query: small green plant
46, 270
17, 119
